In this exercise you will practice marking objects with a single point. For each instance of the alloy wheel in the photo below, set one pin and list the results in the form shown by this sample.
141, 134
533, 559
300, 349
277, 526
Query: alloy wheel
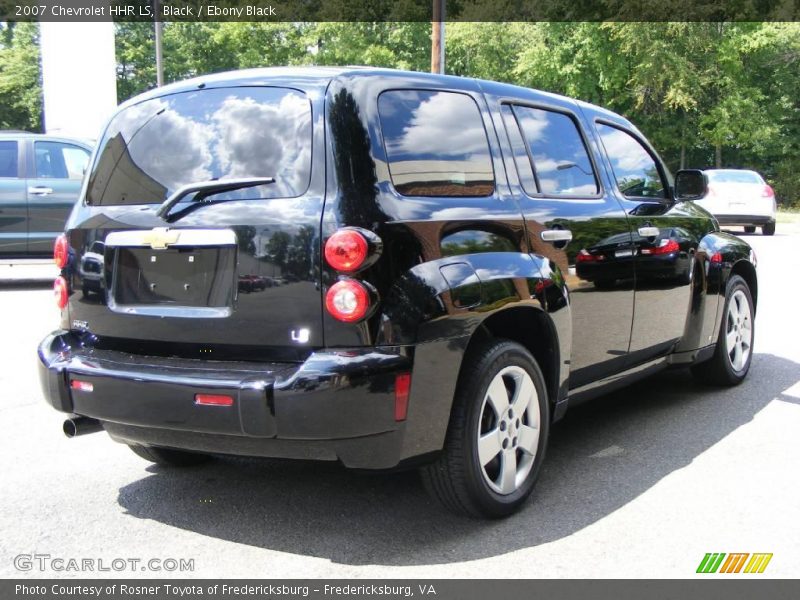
508, 435
738, 330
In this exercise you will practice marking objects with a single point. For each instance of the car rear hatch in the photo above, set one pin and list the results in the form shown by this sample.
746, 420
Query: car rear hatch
198, 234
738, 193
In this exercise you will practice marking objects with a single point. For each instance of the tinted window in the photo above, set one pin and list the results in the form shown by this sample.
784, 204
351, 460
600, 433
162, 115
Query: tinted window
435, 143
634, 167
734, 177
152, 148
560, 160
8, 159
54, 160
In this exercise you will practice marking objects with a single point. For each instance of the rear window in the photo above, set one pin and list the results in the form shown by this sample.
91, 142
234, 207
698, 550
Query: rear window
8, 159
734, 177
152, 148
435, 143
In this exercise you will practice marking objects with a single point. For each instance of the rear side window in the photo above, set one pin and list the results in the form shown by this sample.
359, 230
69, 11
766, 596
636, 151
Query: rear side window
634, 167
560, 160
153, 148
55, 160
8, 159
435, 143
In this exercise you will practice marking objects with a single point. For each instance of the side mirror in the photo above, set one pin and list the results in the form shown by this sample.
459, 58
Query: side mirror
690, 184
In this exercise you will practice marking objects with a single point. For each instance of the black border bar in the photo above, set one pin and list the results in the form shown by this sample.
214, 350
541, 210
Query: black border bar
399, 10
372, 589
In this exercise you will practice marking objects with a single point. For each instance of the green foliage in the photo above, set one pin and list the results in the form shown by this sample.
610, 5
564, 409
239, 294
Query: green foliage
20, 89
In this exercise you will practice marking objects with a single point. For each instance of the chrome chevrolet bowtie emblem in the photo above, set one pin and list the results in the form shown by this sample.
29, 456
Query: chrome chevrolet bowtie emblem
161, 237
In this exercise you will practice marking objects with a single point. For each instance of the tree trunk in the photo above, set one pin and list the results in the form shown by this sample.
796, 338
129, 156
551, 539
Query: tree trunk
718, 158
683, 155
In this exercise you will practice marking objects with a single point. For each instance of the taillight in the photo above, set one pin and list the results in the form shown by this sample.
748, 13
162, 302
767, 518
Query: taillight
347, 300
61, 251
716, 258
61, 292
767, 192
584, 256
664, 247
346, 250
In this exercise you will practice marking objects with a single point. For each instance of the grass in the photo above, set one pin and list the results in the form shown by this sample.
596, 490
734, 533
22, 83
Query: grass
791, 215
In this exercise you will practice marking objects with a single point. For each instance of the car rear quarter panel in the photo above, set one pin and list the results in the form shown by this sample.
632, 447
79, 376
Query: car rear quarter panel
434, 294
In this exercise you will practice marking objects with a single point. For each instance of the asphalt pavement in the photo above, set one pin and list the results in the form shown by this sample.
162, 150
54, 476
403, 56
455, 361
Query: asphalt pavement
639, 483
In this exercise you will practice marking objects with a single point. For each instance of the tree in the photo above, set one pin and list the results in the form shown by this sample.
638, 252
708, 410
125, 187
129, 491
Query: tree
20, 85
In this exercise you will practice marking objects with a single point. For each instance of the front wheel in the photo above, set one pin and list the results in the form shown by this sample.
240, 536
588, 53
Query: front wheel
497, 435
749, 228
734, 350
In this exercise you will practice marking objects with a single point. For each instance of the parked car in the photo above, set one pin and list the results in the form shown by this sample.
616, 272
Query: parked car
668, 255
425, 230
40, 179
740, 197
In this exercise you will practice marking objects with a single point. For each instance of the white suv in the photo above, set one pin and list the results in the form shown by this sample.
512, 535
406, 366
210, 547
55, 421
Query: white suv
740, 197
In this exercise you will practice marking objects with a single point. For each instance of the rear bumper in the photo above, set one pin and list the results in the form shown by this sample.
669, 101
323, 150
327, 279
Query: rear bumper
724, 219
335, 405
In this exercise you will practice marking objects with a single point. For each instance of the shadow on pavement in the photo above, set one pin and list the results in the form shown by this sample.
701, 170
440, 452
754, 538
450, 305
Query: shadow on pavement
602, 456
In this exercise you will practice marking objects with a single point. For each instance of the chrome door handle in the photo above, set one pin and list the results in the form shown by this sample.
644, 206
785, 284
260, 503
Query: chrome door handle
649, 232
556, 235
40, 190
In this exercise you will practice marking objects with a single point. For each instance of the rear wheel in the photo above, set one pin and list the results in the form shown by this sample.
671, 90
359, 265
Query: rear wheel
750, 229
769, 228
497, 434
734, 351
169, 457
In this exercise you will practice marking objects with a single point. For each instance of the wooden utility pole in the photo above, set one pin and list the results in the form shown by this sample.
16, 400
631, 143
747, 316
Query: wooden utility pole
437, 37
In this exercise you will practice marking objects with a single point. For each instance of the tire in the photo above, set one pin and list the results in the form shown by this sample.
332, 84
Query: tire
750, 229
460, 479
768, 229
167, 457
729, 365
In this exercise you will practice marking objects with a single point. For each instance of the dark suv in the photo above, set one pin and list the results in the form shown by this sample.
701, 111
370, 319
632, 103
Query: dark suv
383, 268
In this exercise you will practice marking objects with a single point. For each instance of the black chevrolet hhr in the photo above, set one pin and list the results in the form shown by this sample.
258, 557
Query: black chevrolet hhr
381, 268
